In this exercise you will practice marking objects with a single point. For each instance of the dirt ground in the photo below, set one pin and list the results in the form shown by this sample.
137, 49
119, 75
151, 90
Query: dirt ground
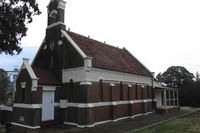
121, 126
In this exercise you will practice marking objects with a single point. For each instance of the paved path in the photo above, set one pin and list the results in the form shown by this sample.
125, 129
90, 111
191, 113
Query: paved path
113, 127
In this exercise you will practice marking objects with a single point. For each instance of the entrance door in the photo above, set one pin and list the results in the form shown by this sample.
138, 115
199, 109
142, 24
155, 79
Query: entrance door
158, 98
48, 105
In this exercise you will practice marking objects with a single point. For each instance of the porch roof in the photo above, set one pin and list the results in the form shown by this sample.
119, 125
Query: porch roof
157, 85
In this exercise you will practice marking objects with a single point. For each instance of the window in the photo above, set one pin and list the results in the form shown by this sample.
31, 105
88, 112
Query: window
121, 91
101, 90
23, 86
148, 92
171, 95
71, 89
167, 94
129, 94
175, 94
162, 97
142, 91
136, 91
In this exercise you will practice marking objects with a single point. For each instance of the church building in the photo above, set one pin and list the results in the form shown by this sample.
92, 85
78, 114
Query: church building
76, 80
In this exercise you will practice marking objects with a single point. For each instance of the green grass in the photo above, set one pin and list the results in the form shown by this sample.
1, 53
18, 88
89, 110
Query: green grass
2, 129
186, 124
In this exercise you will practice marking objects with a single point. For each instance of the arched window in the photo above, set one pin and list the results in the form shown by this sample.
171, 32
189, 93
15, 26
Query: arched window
101, 90
71, 90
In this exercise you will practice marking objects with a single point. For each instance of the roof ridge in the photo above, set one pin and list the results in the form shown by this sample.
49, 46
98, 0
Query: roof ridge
96, 40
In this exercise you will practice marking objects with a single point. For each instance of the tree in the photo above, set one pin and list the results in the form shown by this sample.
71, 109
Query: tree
159, 76
197, 76
14, 14
3, 86
175, 76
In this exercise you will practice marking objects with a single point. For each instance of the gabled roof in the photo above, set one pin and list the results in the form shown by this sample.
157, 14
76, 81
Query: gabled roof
26, 65
109, 57
46, 77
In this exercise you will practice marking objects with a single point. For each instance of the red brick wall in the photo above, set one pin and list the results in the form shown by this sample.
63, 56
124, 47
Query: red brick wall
71, 114
32, 117
106, 93
149, 107
23, 77
137, 108
121, 111
102, 113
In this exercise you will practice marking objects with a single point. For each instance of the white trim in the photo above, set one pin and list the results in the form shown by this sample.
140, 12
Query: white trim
95, 74
74, 44
149, 113
136, 115
61, 4
60, 42
63, 103
56, 104
34, 84
121, 118
31, 106
23, 84
55, 24
49, 88
27, 66
88, 63
6, 108
84, 105
99, 104
26, 126
129, 85
112, 84
102, 122
85, 83
77, 125
52, 13
29, 69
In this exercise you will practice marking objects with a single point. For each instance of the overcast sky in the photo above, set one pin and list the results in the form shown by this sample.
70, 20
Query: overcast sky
160, 33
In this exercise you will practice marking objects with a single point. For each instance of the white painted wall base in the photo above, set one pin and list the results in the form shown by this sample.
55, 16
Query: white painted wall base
102, 122
26, 126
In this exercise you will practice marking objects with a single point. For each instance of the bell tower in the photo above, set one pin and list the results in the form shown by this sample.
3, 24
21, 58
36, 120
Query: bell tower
56, 11
51, 53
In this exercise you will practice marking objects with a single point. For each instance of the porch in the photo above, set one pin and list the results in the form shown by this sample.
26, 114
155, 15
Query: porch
167, 99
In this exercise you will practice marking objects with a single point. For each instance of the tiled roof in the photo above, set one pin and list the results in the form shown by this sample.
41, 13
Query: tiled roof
109, 57
46, 77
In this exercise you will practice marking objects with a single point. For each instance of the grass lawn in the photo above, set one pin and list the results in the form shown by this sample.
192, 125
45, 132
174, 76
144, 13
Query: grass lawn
2, 129
186, 124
